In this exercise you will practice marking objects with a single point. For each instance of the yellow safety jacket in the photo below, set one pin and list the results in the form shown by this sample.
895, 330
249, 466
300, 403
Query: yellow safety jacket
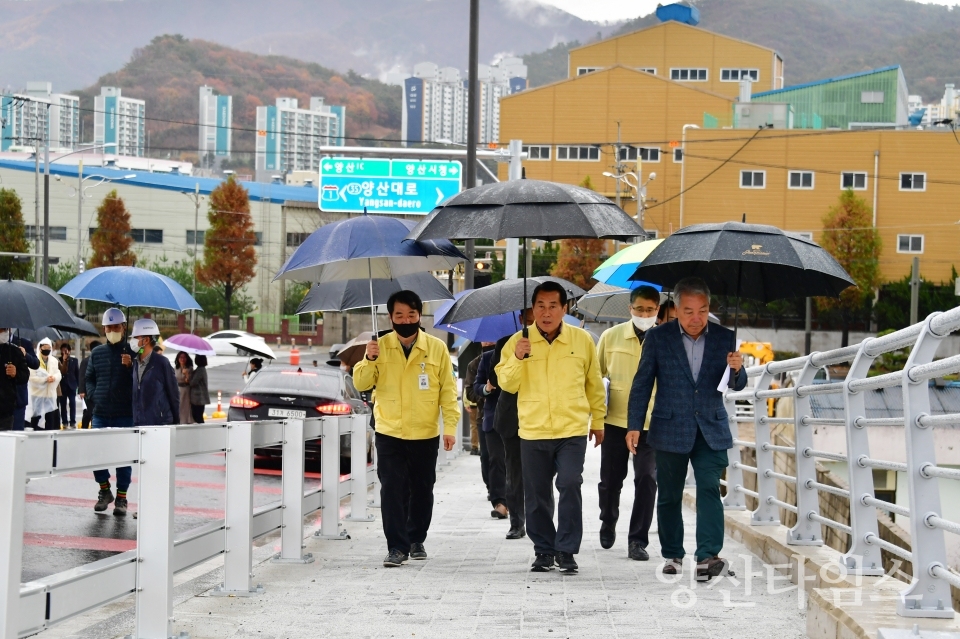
408, 404
559, 388
619, 355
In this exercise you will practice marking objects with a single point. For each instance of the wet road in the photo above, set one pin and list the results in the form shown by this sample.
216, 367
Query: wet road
62, 530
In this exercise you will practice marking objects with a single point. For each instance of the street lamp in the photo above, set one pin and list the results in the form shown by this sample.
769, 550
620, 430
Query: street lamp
632, 180
683, 163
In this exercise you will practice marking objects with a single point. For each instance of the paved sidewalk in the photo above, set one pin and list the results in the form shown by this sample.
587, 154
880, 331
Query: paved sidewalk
477, 584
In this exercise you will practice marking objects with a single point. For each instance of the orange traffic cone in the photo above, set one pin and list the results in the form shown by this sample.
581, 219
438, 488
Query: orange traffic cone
219, 414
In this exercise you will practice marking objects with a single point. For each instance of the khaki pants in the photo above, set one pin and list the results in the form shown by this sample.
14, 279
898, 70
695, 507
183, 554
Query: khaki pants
474, 431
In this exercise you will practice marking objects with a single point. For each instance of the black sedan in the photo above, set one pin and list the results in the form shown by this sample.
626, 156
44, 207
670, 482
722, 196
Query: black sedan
284, 392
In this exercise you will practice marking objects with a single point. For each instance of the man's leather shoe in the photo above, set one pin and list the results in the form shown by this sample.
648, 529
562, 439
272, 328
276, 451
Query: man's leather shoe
637, 552
417, 551
516, 533
711, 567
608, 535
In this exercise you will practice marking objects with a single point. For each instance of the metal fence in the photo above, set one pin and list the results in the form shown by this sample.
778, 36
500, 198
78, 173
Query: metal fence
929, 594
147, 571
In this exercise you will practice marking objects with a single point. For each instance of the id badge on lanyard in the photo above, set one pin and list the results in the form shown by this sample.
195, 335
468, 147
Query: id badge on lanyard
424, 378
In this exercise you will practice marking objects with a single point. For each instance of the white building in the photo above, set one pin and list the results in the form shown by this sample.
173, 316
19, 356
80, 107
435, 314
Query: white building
121, 121
37, 115
289, 138
215, 124
435, 101
948, 108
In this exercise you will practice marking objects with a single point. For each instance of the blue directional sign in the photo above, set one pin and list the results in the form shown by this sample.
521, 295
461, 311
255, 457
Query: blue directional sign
348, 185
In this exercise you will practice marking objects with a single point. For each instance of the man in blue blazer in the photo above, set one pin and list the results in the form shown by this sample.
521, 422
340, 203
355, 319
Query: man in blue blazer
687, 358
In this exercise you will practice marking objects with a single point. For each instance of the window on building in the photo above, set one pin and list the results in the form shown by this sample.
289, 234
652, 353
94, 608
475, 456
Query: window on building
678, 155
646, 154
735, 75
853, 180
804, 235
147, 236
871, 97
689, 75
913, 181
199, 238
585, 70
538, 152
753, 179
801, 180
650, 70
296, 239
909, 244
56, 232
578, 153
259, 236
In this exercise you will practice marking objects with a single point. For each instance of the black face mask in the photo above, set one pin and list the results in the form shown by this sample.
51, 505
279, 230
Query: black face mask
45, 353
406, 330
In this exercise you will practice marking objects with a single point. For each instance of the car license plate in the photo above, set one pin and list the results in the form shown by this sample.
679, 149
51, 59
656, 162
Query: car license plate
287, 412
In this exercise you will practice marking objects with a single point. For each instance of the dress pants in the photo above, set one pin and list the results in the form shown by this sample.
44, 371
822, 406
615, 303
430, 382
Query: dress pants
514, 480
614, 459
496, 467
407, 469
51, 420
544, 459
474, 428
708, 466
484, 462
66, 401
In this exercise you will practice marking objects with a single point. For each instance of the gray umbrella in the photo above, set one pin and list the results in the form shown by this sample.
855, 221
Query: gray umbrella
605, 303
344, 295
503, 297
526, 208
531, 209
29, 305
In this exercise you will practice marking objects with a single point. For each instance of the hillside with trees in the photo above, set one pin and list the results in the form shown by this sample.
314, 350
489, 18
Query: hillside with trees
168, 72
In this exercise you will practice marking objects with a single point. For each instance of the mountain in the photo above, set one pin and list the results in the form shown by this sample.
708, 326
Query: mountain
168, 72
824, 38
73, 42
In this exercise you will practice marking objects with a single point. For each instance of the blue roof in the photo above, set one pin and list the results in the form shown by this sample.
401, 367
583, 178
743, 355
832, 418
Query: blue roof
827, 81
259, 191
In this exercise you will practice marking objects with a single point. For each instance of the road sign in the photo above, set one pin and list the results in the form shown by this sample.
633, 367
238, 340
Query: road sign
386, 186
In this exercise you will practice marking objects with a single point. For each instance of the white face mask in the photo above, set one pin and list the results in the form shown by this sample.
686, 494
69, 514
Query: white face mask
644, 323
4, 337
114, 337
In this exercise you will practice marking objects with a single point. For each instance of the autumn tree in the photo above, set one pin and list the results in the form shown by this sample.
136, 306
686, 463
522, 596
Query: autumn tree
579, 258
229, 260
13, 235
850, 237
111, 241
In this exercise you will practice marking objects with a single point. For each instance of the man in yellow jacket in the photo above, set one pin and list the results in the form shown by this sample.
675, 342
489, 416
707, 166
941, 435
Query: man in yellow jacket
413, 375
619, 355
560, 403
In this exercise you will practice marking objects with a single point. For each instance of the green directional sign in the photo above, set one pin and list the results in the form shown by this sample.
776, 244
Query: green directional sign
386, 186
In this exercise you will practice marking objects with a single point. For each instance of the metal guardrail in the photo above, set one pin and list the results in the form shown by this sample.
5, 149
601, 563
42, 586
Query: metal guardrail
929, 593
148, 570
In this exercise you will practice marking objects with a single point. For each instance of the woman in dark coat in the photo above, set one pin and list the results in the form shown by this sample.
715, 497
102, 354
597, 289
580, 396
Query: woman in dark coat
199, 394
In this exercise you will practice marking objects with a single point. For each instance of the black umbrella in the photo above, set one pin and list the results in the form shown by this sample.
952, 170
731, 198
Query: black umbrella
746, 260
29, 305
506, 296
531, 209
343, 295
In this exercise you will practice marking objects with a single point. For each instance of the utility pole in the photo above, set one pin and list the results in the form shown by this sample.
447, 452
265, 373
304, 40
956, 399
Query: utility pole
915, 292
196, 218
511, 255
36, 196
473, 96
808, 327
46, 202
619, 171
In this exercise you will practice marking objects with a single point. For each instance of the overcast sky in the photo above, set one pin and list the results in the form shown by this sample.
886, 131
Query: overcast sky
607, 10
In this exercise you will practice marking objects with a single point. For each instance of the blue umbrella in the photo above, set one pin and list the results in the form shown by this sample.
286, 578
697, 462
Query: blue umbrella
367, 247
484, 329
130, 286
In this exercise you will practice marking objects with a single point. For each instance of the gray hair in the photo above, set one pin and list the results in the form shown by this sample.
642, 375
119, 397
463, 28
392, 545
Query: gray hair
691, 286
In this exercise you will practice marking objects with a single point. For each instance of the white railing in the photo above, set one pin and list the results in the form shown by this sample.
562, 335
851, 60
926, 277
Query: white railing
929, 593
148, 570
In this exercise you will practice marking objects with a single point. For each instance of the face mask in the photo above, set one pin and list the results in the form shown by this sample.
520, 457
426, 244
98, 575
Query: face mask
406, 330
113, 338
45, 352
4, 337
644, 323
